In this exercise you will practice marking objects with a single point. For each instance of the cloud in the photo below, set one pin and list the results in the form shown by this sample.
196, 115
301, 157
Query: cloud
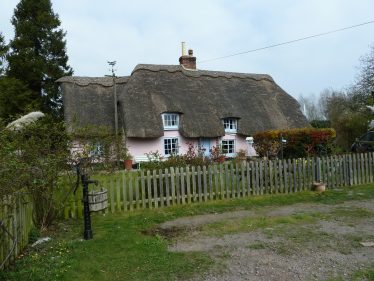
146, 31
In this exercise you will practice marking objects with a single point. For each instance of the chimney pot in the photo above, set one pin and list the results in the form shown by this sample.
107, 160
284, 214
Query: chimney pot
188, 61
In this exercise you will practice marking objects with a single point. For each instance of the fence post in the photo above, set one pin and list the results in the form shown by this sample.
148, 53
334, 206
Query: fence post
318, 169
182, 174
142, 178
199, 188
172, 185
149, 189
167, 189
155, 195
188, 185
232, 180
350, 171
137, 195
161, 187
194, 176
370, 156
221, 182
178, 185
205, 183
210, 172
242, 169
248, 179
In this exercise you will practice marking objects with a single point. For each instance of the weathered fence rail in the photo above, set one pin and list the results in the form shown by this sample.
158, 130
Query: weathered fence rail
15, 225
138, 190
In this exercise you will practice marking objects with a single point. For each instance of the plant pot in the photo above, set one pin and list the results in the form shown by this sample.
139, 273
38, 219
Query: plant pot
128, 164
319, 186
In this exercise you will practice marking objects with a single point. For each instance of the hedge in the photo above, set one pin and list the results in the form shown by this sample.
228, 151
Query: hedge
303, 142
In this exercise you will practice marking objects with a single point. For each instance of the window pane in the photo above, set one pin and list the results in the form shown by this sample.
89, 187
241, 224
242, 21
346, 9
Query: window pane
171, 146
171, 120
228, 146
371, 137
230, 124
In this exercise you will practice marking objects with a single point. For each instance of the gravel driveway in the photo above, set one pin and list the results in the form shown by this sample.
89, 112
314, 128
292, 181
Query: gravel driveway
326, 248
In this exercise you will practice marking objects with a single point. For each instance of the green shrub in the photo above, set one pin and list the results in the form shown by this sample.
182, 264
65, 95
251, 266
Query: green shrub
34, 235
320, 124
304, 142
31, 160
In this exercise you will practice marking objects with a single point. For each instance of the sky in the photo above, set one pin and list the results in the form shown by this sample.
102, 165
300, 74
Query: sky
151, 31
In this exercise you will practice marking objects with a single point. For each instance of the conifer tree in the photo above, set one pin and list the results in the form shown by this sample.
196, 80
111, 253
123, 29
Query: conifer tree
38, 53
3, 52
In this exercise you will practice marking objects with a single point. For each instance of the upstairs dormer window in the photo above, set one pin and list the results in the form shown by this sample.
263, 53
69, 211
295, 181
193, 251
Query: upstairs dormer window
230, 125
170, 121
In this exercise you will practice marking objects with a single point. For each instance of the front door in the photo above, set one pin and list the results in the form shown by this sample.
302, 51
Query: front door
205, 144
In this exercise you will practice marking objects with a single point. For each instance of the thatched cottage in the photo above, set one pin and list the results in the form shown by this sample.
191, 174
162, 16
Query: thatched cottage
165, 107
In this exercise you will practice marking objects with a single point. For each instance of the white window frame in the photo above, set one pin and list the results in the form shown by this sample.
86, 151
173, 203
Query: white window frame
230, 125
97, 150
230, 152
173, 151
170, 121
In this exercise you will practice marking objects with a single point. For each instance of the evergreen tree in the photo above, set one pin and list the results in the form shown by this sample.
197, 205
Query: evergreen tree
3, 52
38, 53
15, 98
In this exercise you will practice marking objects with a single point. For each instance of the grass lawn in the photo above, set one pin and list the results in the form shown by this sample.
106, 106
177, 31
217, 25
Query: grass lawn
120, 250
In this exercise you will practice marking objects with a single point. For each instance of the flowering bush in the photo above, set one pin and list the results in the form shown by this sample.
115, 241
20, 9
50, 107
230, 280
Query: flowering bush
300, 142
216, 154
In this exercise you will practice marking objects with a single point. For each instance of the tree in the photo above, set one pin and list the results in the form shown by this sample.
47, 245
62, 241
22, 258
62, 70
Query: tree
15, 98
348, 116
365, 81
38, 53
310, 108
3, 52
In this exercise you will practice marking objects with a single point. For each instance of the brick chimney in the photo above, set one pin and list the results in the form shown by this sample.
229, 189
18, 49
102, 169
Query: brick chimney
188, 61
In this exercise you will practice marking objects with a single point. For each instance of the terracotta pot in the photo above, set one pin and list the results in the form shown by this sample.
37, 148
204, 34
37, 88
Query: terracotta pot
128, 164
319, 186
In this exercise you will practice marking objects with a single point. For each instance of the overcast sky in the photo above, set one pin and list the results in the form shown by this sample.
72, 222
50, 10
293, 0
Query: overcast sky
142, 31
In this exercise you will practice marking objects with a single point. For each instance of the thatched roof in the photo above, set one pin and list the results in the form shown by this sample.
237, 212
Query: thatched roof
202, 97
89, 100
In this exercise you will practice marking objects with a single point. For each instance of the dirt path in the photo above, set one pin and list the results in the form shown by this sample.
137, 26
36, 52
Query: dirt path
322, 249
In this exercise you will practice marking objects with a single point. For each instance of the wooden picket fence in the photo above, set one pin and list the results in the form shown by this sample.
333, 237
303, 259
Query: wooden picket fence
15, 225
177, 186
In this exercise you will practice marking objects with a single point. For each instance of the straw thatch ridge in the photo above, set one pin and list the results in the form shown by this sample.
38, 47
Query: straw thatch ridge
85, 81
198, 73
203, 98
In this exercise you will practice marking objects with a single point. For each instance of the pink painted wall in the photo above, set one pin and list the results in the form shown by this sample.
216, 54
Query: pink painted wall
240, 144
139, 147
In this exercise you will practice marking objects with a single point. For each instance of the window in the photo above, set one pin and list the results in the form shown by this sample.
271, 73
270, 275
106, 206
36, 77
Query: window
368, 137
228, 147
171, 146
97, 150
171, 121
230, 125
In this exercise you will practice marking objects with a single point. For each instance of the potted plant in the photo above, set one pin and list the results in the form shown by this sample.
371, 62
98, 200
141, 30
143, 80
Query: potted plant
127, 161
124, 154
319, 186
